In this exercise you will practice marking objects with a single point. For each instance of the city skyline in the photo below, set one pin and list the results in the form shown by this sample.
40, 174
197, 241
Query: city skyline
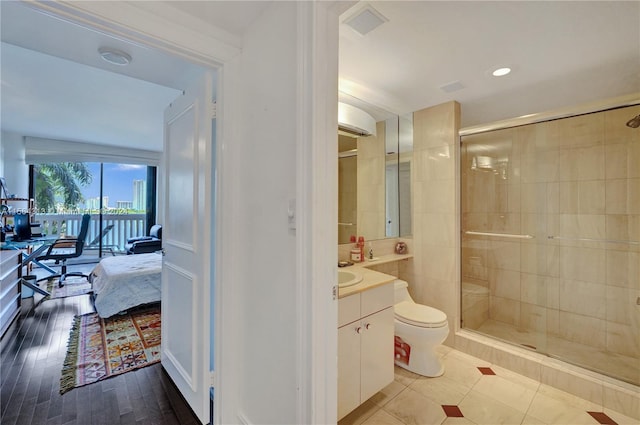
118, 185
139, 195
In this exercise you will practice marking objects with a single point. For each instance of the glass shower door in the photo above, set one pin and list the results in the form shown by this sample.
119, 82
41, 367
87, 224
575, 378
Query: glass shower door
550, 239
504, 196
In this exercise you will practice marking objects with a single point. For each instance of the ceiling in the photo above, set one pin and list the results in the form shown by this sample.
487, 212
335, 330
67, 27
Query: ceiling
54, 84
562, 53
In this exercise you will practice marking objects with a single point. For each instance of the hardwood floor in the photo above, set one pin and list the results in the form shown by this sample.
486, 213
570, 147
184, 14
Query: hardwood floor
31, 356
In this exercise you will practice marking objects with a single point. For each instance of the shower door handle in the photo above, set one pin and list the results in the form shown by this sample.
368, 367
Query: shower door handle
614, 241
501, 235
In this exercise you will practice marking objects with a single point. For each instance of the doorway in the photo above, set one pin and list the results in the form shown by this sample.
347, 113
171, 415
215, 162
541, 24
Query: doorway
136, 123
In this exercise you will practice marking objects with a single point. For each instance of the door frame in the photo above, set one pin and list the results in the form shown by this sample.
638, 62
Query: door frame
316, 201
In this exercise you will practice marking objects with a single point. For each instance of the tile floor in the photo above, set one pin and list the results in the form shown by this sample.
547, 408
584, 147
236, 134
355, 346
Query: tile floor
473, 391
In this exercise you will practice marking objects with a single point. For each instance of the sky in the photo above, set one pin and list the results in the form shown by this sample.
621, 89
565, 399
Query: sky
118, 180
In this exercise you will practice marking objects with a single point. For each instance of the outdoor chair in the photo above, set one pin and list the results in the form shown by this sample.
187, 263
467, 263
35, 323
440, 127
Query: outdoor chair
95, 243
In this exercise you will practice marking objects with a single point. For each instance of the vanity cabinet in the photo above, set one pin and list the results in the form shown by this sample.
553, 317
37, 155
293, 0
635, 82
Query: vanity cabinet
365, 346
10, 286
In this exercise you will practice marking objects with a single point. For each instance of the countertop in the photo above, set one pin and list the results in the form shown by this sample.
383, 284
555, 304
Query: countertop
370, 278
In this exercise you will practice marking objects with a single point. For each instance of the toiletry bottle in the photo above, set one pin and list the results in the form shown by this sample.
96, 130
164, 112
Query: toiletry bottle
361, 246
370, 251
355, 255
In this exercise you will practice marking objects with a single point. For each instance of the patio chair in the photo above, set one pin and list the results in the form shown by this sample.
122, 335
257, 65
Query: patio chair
95, 243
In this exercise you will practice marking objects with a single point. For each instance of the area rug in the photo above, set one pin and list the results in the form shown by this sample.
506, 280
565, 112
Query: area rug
73, 286
100, 348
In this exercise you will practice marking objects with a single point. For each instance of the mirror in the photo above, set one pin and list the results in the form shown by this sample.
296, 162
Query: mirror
374, 181
399, 148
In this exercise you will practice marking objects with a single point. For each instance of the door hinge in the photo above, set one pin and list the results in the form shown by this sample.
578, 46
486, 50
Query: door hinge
213, 110
335, 291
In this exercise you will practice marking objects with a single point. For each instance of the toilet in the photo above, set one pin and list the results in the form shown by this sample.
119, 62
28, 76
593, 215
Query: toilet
419, 329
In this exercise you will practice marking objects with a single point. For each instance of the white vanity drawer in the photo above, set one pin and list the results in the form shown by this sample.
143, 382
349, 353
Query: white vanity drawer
348, 309
376, 299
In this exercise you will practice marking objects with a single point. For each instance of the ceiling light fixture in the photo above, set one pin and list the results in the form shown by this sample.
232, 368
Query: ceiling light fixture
113, 56
500, 72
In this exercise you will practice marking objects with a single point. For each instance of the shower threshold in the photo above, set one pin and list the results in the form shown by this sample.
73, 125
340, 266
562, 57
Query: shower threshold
617, 366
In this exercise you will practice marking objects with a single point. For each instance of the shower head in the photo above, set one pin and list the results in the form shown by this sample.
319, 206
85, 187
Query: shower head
634, 122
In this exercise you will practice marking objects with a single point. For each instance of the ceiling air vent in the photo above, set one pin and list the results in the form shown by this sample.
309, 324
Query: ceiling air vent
365, 20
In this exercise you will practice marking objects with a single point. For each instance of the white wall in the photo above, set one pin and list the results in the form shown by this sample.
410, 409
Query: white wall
266, 183
274, 329
12, 165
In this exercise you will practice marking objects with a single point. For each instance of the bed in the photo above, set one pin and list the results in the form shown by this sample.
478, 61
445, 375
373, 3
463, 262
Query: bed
123, 282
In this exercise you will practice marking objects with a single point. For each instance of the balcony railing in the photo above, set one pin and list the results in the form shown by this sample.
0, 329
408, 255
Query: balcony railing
125, 226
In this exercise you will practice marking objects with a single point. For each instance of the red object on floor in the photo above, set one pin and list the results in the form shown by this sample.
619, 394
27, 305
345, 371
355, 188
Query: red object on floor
452, 411
486, 371
402, 351
602, 418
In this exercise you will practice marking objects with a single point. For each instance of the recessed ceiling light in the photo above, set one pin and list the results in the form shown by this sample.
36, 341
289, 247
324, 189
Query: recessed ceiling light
115, 57
500, 72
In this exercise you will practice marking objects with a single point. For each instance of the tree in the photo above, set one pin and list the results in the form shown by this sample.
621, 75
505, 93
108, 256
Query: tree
60, 180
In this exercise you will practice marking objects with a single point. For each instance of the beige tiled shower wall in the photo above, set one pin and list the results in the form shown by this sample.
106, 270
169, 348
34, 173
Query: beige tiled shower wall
432, 274
573, 178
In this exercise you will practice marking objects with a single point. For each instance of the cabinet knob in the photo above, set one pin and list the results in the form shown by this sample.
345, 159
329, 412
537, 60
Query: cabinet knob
368, 326
359, 330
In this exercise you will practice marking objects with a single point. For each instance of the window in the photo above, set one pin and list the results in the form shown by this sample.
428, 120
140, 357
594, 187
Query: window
120, 198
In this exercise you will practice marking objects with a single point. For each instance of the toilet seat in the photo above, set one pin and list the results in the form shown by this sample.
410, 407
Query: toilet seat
419, 315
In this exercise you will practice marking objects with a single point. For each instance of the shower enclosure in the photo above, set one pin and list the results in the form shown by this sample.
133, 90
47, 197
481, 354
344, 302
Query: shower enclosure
550, 245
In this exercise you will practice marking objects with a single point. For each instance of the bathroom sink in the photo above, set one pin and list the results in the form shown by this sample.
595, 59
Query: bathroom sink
348, 278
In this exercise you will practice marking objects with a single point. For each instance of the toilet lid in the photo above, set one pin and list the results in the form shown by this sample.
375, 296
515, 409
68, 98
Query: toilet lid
419, 315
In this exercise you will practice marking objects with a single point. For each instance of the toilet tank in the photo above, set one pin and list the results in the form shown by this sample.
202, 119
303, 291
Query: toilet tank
401, 291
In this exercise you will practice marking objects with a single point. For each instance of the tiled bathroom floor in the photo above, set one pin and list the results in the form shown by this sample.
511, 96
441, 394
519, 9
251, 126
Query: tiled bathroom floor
473, 391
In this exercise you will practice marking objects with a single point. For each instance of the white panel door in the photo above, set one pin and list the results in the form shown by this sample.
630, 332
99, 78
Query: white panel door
186, 208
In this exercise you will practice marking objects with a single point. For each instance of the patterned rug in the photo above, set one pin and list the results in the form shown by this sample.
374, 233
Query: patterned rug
101, 348
73, 285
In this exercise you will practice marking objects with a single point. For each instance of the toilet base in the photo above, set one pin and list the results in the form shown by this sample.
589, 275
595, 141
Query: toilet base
415, 349
431, 368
